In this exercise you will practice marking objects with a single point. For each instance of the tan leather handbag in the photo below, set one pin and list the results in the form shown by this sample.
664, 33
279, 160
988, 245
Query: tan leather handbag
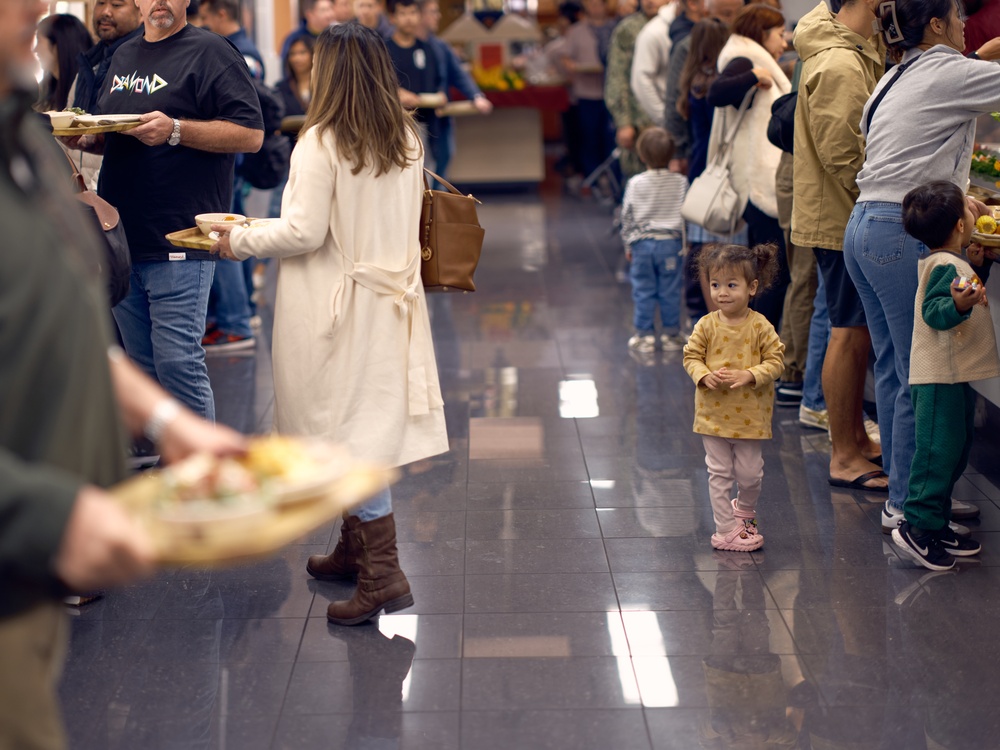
451, 239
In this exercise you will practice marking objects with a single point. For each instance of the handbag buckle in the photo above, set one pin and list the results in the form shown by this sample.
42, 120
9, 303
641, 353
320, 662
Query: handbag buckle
426, 253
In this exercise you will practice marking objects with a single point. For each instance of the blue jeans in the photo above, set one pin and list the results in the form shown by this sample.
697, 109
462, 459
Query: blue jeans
379, 505
162, 321
882, 261
229, 305
657, 278
819, 337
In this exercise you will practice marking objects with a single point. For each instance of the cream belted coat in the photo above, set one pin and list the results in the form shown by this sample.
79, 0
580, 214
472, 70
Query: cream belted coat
352, 350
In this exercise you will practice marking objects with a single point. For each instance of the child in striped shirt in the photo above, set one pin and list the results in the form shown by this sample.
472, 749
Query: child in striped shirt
652, 231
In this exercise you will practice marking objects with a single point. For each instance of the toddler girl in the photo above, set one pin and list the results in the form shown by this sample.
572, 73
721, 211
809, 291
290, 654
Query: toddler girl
734, 356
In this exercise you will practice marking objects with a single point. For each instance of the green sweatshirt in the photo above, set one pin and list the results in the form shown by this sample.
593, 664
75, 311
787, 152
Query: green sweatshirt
59, 426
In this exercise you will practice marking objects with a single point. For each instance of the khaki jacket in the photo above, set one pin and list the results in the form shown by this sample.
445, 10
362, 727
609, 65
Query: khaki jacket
839, 73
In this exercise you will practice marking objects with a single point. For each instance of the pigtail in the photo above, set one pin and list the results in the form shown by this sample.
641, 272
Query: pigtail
766, 257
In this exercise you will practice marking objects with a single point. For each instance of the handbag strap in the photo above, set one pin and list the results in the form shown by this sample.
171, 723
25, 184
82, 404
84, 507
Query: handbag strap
900, 69
79, 183
725, 152
451, 188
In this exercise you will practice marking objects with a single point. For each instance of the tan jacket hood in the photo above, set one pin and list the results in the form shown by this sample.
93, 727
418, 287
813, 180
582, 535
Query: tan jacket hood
820, 31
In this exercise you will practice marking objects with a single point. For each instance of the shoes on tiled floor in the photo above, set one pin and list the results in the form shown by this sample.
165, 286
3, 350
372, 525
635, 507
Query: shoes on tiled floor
923, 548
640, 343
892, 518
672, 342
787, 394
816, 418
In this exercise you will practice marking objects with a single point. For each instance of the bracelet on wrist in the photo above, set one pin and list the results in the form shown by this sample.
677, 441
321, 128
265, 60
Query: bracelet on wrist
165, 412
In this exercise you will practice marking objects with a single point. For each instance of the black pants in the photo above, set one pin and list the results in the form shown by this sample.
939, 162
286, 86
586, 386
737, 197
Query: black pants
762, 229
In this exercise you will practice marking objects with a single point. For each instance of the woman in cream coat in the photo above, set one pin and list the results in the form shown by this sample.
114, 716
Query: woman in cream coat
352, 352
749, 60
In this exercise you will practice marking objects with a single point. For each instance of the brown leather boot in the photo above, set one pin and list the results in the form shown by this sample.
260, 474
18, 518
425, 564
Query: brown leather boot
342, 563
381, 583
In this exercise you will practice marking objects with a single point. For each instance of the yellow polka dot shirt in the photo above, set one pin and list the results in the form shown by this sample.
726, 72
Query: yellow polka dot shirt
744, 412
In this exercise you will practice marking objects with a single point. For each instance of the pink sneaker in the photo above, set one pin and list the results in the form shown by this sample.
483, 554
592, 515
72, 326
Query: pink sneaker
744, 538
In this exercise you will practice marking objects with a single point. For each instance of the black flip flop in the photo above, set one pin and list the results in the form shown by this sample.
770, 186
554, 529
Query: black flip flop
858, 483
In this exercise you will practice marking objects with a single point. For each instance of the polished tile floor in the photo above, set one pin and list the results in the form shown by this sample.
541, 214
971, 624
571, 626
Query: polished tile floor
566, 593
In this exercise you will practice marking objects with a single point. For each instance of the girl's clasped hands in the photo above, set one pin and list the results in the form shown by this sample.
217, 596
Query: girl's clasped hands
726, 377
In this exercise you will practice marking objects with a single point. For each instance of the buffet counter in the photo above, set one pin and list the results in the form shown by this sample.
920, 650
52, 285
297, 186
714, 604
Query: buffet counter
506, 147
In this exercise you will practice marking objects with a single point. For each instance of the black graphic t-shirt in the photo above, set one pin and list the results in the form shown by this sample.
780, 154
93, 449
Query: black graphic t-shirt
417, 70
191, 75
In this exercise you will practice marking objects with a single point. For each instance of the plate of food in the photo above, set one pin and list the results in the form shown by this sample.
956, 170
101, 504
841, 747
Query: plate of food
85, 120
217, 510
986, 231
84, 124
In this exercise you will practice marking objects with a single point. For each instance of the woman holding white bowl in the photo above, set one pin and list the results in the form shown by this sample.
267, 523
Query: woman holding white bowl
352, 352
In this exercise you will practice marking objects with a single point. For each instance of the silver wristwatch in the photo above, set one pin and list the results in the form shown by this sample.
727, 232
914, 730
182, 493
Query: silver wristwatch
175, 136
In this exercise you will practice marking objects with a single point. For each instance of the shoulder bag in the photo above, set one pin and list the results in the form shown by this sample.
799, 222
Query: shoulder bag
781, 126
711, 201
117, 262
451, 238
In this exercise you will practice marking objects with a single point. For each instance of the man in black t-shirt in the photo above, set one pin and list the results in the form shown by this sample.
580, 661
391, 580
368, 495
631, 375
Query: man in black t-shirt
417, 68
199, 108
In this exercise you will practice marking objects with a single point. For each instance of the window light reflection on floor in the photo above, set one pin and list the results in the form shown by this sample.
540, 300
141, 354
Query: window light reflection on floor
578, 398
645, 680
405, 626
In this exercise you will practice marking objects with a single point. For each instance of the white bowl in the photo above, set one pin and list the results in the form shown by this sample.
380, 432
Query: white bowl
205, 221
61, 120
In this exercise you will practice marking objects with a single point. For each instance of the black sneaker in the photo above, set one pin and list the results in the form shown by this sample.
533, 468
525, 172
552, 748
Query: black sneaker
787, 394
955, 545
925, 549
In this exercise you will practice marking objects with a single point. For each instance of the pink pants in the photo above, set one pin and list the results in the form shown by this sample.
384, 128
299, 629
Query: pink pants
730, 460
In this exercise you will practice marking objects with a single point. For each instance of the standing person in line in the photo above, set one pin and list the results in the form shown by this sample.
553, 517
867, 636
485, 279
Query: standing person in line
198, 108
750, 60
350, 274
317, 15
115, 22
455, 77
582, 60
954, 338
653, 234
648, 76
417, 71
910, 138
227, 326
842, 61
621, 101
734, 356
61, 39
705, 42
724, 11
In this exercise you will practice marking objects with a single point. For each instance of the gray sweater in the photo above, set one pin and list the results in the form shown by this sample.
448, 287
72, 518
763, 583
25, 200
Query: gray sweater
925, 126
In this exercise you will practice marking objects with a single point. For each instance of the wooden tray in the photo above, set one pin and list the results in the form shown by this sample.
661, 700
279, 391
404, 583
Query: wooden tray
192, 239
458, 109
118, 127
986, 240
221, 543
293, 123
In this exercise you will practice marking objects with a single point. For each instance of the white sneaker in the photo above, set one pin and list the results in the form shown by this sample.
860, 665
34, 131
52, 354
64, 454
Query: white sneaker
640, 343
963, 511
818, 418
891, 518
672, 343
871, 427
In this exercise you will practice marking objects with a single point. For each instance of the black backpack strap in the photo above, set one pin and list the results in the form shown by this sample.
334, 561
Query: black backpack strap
900, 69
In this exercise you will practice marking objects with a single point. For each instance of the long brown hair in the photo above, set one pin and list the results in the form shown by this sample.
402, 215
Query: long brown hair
355, 96
707, 40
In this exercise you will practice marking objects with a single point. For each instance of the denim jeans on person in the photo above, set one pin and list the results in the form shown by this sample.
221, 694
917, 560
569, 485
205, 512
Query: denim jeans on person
379, 505
162, 321
229, 305
657, 275
882, 261
819, 337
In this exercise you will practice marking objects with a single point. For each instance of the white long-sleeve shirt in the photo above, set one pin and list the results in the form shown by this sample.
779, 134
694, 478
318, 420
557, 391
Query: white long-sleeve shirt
649, 64
651, 208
